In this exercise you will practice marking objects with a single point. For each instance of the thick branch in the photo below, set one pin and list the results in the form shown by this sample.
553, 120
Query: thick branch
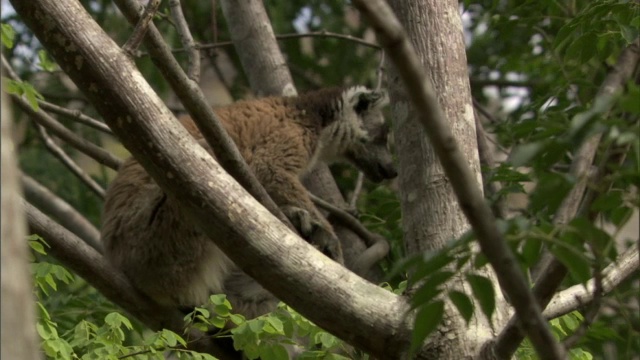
419, 88
328, 294
83, 260
68, 217
254, 40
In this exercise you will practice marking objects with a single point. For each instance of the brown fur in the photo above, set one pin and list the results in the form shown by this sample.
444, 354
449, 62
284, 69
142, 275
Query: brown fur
280, 138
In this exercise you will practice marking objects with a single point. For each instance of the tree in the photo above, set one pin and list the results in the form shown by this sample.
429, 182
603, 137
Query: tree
575, 123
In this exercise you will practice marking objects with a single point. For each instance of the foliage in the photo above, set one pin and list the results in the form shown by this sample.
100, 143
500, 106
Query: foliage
86, 333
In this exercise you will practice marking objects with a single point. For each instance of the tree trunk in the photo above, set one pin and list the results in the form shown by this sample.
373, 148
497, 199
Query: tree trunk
19, 340
431, 214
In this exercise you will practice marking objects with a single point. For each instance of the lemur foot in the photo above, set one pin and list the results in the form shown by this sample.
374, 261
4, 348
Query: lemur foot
315, 232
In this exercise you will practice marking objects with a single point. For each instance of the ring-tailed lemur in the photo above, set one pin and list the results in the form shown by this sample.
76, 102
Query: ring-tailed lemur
281, 138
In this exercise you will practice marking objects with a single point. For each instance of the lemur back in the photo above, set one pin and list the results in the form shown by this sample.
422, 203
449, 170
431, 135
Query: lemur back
165, 256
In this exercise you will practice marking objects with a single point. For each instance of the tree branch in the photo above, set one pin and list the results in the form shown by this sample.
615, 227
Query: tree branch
420, 90
42, 118
378, 245
255, 44
314, 34
577, 296
83, 260
76, 115
141, 27
193, 71
67, 161
553, 270
68, 217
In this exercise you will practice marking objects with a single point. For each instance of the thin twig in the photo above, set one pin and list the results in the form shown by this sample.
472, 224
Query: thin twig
57, 207
95, 152
139, 31
356, 191
76, 115
380, 71
67, 161
316, 34
181, 26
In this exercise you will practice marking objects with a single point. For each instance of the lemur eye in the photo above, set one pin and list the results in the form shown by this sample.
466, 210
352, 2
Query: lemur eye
363, 140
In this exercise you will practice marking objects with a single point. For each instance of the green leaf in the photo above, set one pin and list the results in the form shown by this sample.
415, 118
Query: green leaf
578, 265
13, 87
170, 337
463, 303
256, 325
483, 291
273, 352
37, 246
8, 35
276, 324
46, 63
582, 48
430, 288
620, 215
21, 88
222, 310
531, 250
32, 96
427, 320
237, 319
523, 154
432, 264
115, 320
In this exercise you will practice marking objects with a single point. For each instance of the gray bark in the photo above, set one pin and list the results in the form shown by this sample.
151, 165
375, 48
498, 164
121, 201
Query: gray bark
19, 340
432, 215
256, 45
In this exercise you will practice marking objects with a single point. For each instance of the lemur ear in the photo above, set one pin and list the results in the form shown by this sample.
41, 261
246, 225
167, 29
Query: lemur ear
370, 99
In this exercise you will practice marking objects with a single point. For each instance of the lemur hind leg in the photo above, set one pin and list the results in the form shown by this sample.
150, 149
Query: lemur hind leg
292, 197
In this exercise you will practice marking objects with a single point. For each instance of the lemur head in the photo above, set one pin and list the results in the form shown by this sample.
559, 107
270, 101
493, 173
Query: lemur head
360, 135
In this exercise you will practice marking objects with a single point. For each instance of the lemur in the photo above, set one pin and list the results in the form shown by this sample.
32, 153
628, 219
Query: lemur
281, 138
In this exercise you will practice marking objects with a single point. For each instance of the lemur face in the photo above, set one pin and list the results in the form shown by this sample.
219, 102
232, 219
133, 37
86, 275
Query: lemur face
370, 152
